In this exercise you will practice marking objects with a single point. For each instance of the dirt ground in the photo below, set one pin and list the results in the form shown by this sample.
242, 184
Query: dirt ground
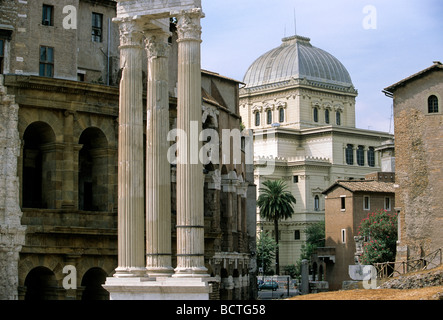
430, 293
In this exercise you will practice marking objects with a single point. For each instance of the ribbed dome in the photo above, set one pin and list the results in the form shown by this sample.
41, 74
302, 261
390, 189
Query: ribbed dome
297, 58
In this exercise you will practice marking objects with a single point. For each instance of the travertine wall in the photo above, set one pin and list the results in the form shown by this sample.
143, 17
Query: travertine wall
419, 162
12, 233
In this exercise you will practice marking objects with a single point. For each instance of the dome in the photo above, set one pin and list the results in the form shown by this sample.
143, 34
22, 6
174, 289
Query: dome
296, 58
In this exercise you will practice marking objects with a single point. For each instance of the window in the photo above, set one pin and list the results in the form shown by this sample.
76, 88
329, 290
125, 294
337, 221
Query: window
327, 120
316, 203
281, 115
295, 179
269, 116
315, 114
46, 62
433, 104
97, 27
257, 119
388, 204
2, 54
343, 236
296, 234
371, 157
366, 203
350, 154
338, 118
48, 15
343, 203
361, 156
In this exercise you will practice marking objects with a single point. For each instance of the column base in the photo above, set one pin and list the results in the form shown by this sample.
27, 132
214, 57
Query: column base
160, 272
191, 273
130, 273
158, 289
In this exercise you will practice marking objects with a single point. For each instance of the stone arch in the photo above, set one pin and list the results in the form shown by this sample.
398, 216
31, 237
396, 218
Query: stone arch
51, 262
93, 170
39, 166
105, 125
41, 284
92, 282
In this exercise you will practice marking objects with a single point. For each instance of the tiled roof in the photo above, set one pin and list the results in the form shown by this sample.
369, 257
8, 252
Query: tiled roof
363, 186
437, 65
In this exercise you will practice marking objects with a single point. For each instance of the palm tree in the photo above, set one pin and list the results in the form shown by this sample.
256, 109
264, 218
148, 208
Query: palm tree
275, 204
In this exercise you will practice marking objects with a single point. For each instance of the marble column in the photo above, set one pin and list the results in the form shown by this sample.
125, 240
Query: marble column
158, 177
190, 178
131, 255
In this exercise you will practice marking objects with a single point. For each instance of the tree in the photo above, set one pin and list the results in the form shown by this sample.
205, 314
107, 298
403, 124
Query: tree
315, 237
275, 204
380, 231
266, 247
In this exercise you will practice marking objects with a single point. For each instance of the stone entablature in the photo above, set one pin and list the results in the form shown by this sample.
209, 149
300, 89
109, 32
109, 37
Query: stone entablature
155, 9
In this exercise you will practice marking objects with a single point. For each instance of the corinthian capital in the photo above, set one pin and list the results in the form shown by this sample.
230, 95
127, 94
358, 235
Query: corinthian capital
157, 45
188, 24
131, 34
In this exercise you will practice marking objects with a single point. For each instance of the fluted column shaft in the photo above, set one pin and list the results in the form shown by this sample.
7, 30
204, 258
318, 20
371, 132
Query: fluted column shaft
158, 180
190, 179
131, 260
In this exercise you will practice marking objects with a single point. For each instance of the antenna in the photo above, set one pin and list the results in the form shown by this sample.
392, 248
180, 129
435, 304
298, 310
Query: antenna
295, 23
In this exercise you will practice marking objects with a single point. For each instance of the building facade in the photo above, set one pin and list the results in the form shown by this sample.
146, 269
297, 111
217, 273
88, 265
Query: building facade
300, 102
418, 119
348, 202
59, 144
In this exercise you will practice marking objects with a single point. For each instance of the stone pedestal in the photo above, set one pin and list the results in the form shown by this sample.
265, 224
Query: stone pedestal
158, 289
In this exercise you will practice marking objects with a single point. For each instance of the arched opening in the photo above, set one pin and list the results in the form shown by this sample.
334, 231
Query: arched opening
93, 171
40, 284
315, 114
226, 286
38, 189
92, 282
316, 203
432, 104
321, 276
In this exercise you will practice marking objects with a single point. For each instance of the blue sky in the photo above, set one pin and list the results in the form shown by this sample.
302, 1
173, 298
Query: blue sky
407, 39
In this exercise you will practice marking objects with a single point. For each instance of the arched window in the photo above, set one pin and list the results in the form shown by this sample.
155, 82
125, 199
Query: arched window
269, 116
39, 166
93, 171
315, 114
338, 118
350, 154
281, 115
433, 104
316, 203
361, 156
371, 157
257, 119
327, 120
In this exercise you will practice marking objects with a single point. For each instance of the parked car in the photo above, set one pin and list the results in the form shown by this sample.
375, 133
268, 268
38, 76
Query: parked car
268, 285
